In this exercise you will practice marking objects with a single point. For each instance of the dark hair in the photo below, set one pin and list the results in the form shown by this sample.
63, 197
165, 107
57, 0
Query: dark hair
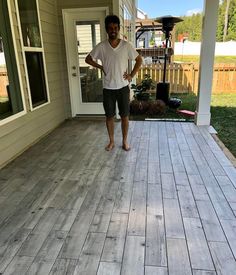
112, 19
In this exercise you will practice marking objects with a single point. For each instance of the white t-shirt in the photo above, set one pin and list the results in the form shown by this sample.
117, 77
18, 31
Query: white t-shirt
114, 62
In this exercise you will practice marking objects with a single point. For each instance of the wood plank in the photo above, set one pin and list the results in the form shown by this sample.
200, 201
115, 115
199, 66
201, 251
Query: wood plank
155, 253
198, 188
154, 200
63, 266
137, 217
154, 175
10, 247
231, 173
190, 165
199, 253
178, 265
176, 158
123, 197
203, 272
154, 270
40, 267
100, 223
165, 160
91, 253
74, 242
19, 265
187, 203
223, 258
173, 219
109, 268
115, 240
210, 222
48, 253
229, 227
35, 240
168, 186
181, 179
133, 261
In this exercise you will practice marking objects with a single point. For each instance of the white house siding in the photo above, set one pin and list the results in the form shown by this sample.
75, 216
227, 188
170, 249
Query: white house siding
18, 135
130, 5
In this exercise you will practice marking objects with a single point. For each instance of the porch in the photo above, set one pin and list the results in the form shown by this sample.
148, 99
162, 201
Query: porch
166, 207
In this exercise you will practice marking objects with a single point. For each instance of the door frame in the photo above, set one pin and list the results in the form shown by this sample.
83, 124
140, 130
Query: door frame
75, 97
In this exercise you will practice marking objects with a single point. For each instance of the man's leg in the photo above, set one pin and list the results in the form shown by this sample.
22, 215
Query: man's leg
110, 130
109, 104
125, 129
123, 105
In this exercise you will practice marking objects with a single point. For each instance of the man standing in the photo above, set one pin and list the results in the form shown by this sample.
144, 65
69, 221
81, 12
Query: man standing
114, 54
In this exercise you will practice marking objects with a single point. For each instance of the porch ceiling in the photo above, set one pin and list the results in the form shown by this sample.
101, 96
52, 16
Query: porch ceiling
166, 207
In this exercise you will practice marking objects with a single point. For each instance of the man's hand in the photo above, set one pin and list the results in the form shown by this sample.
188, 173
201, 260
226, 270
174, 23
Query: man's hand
127, 76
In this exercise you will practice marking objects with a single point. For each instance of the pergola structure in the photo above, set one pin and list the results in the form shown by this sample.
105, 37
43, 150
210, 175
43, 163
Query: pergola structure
143, 25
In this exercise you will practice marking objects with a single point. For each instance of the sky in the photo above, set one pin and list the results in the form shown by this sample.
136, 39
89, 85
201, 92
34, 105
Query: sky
158, 8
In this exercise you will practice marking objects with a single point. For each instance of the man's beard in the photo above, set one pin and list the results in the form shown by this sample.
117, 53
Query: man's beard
113, 36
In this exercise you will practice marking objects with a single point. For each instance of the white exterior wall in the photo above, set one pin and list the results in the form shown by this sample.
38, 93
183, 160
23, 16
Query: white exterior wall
193, 48
19, 134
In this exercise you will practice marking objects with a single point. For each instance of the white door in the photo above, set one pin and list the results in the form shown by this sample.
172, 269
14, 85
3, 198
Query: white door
84, 28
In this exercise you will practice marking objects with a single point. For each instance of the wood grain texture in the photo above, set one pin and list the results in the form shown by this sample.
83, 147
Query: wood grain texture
165, 207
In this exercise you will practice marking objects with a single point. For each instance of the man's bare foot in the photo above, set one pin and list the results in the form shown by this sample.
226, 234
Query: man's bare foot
109, 146
125, 147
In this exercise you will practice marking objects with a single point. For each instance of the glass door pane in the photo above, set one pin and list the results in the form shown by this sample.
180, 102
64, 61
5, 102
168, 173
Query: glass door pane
88, 36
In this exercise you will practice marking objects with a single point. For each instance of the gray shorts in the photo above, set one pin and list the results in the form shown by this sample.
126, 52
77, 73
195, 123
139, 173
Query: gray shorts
121, 96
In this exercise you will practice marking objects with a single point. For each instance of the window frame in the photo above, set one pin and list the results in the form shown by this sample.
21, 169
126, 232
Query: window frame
37, 50
23, 112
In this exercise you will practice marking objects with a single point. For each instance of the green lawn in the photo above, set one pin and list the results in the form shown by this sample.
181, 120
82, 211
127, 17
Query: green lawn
223, 115
223, 119
195, 58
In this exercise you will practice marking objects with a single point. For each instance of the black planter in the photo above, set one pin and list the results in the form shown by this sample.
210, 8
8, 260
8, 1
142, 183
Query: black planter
162, 91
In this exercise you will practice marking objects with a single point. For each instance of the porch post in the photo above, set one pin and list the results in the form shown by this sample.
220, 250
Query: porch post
210, 14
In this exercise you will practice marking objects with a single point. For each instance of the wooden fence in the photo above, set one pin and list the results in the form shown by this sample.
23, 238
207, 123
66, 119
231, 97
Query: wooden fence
183, 78
3, 82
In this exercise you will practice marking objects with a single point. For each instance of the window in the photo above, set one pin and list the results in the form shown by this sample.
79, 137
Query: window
10, 92
127, 25
33, 51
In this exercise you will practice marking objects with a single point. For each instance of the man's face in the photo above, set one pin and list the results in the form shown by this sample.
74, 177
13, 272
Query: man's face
112, 31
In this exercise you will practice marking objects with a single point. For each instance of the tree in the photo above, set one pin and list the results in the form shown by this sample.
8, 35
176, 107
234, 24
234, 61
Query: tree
191, 25
226, 27
226, 19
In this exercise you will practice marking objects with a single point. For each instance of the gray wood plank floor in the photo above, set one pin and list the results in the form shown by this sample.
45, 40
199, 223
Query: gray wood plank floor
167, 207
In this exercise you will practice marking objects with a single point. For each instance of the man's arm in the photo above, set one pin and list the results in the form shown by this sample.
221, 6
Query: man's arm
137, 65
93, 63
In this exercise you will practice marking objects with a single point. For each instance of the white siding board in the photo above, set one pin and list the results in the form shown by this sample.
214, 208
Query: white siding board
19, 134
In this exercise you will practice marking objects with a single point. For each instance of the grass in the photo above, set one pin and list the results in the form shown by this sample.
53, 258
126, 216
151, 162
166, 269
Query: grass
223, 115
195, 59
223, 119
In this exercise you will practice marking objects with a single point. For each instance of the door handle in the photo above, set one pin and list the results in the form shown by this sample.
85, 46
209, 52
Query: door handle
74, 74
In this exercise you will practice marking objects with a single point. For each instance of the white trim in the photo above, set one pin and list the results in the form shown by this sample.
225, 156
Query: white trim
23, 112
33, 49
202, 119
210, 13
65, 14
72, 102
75, 10
11, 118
